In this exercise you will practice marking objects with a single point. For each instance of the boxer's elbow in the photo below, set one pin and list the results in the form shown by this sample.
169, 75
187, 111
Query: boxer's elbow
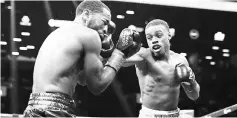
195, 94
194, 97
96, 89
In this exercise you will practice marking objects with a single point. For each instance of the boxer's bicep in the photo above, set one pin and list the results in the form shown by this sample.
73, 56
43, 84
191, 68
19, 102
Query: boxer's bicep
93, 68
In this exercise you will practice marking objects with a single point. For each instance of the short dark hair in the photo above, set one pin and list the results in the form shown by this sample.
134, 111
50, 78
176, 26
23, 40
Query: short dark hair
95, 6
157, 22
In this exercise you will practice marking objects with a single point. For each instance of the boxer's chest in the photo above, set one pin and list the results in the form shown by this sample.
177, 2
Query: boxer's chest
163, 72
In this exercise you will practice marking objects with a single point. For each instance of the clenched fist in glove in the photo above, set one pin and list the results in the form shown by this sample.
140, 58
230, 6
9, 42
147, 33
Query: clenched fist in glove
128, 44
186, 76
107, 47
107, 42
184, 73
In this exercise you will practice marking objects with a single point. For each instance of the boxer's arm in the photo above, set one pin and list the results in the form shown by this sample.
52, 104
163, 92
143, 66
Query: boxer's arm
191, 88
98, 76
134, 59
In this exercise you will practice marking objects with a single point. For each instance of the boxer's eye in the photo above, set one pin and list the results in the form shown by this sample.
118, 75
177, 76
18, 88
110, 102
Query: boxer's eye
148, 37
159, 35
105, 22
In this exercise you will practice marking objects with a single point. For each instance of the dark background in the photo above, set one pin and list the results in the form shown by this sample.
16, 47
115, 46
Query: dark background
217, 82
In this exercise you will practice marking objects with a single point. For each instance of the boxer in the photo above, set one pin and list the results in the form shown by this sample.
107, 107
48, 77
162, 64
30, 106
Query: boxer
71, 55
161, 72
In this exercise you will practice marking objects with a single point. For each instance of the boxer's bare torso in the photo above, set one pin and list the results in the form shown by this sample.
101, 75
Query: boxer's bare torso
60, 60
158, 84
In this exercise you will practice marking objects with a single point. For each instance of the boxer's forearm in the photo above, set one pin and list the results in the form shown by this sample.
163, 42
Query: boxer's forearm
192, 89
101, 76
106, 78
133, 59
100, 82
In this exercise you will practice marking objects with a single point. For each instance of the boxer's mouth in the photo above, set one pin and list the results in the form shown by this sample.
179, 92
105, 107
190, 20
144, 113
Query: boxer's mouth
156, 47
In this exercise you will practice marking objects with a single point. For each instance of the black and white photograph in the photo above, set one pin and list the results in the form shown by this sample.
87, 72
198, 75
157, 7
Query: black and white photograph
118, 58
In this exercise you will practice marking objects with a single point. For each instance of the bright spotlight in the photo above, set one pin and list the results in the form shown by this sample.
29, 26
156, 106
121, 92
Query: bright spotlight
215, 48
226, 54
225, 50
212, 63
120, 16
208, 57
3, 43
129, 12
15, 53
17, 39
219, 36
23, 48
25, 33
30, 47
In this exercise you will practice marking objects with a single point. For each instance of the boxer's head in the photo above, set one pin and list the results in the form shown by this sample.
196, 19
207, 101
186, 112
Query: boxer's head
158, 36
95, 15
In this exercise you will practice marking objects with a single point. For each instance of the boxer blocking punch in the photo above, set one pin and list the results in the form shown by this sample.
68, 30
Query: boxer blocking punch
71, 55
160, 73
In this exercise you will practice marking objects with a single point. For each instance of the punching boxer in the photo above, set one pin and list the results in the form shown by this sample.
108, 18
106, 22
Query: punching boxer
161, 72
71, 55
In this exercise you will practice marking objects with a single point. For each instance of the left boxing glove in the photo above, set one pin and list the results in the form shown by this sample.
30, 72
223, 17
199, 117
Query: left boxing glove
129, 42
107, 42
111, 27
184, 73
107, 47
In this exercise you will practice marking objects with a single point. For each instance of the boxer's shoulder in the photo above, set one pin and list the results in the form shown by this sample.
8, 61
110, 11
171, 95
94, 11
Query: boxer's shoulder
179, 57
144, 52
90, 39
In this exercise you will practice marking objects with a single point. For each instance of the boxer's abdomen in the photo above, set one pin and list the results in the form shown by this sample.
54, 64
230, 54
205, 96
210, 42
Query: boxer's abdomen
159, 96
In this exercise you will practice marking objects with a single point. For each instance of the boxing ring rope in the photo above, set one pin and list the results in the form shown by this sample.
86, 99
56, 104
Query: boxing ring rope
221, 112
218, 113
217, 5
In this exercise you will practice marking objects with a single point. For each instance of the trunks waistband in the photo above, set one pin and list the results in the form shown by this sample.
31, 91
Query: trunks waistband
51, 101
159, 113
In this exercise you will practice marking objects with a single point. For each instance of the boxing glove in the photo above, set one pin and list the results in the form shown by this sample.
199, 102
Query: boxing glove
129, 42
107, 47
111, 27
107, 42
184, 73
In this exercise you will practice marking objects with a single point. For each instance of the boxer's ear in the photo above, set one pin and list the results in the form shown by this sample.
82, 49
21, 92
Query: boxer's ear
86, 15
169, 35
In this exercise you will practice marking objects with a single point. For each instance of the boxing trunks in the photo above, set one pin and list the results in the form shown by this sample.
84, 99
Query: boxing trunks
150, 113
50, 105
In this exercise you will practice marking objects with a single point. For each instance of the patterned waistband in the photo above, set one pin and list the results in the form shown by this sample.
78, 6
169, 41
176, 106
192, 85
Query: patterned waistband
57, 101
159, 113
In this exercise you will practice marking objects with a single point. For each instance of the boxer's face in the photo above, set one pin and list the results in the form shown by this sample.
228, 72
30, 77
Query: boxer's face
158, 39
99, 22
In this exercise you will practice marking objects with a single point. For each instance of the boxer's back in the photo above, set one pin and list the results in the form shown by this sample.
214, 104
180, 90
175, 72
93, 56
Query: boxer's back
59, 61
158, 85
